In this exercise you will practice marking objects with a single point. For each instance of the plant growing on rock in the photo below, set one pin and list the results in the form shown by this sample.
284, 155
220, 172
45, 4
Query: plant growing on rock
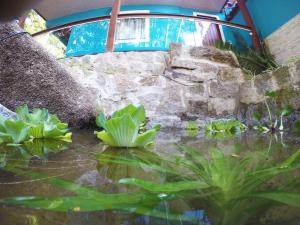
122, 129
224, 128
251, 61
39, 124
275, 120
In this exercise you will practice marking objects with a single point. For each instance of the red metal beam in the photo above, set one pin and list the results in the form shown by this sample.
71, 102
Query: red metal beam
250, 23
143, 15
113, 25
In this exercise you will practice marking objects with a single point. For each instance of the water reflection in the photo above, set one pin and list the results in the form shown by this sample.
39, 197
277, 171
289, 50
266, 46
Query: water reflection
37, 149
238, 181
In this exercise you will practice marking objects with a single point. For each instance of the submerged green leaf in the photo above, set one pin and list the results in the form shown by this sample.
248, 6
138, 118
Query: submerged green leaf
165, 188
292, 199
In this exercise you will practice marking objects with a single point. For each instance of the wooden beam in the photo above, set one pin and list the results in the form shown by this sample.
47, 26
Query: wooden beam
113, 25
250, 23
144, 15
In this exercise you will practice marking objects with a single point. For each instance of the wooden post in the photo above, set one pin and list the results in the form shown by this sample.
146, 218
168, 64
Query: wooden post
250, 23
113, 25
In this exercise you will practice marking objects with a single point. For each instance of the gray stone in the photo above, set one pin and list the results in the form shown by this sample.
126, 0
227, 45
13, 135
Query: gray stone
174, 87
5, 112
29, 75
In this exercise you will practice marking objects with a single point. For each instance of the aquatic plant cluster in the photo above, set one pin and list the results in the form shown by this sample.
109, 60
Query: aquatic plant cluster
26, 126
122, 129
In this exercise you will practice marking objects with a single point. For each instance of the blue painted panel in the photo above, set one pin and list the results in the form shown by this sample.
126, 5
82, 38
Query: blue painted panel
268, 16
88, 38
91, 38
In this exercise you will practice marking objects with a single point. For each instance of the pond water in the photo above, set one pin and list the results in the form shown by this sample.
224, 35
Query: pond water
239, 180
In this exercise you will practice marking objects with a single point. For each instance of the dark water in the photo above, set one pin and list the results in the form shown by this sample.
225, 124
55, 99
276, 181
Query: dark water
79, 183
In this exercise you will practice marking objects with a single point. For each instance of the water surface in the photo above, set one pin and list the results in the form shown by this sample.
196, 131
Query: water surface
81, 183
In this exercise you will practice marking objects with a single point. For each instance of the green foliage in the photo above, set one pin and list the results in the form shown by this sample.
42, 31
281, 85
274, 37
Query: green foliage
230, 184
224, 128
191, 125
251, 61
122, 129
13, 132
35, 23
192, 129
36, 125
273, 115
85, 199
42, 124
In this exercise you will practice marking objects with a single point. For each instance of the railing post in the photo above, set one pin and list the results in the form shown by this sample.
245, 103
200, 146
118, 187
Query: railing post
250, 23
113, 26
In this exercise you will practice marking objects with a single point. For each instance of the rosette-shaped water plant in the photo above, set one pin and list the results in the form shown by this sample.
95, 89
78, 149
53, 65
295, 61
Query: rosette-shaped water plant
122, 129
39, 124
42, 124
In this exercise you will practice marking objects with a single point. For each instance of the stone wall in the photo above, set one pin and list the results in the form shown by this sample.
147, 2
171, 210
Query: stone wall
189, 83
285, 42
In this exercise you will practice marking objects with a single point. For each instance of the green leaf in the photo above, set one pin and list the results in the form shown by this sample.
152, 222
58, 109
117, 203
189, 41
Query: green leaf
37, 131
17, 130
157, 127
257, 116
107, 138
270, 94
123, 130
165, 188
130, 110
287, 110
139, 115
291, 159
101, 120
291, 199
145, 138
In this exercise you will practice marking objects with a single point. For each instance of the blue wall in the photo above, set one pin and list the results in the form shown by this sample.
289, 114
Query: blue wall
268, 16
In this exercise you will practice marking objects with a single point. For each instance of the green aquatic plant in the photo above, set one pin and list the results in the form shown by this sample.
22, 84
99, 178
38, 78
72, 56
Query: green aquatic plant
43, 124
229, 184
122, 129
192, 129
224, 128
86, 199
251, 61
13, 132
39, 124
275, 120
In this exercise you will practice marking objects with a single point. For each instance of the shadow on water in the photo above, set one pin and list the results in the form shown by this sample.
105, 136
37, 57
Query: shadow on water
243, 180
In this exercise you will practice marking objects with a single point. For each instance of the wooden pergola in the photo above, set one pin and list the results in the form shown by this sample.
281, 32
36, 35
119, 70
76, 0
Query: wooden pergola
115, 15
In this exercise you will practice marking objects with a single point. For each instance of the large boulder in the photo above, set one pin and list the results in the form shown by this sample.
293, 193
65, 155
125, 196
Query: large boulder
29, 75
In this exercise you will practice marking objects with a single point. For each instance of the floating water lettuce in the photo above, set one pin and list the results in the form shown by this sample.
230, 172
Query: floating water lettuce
39, 124
122, 129
42, 124
224, 128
